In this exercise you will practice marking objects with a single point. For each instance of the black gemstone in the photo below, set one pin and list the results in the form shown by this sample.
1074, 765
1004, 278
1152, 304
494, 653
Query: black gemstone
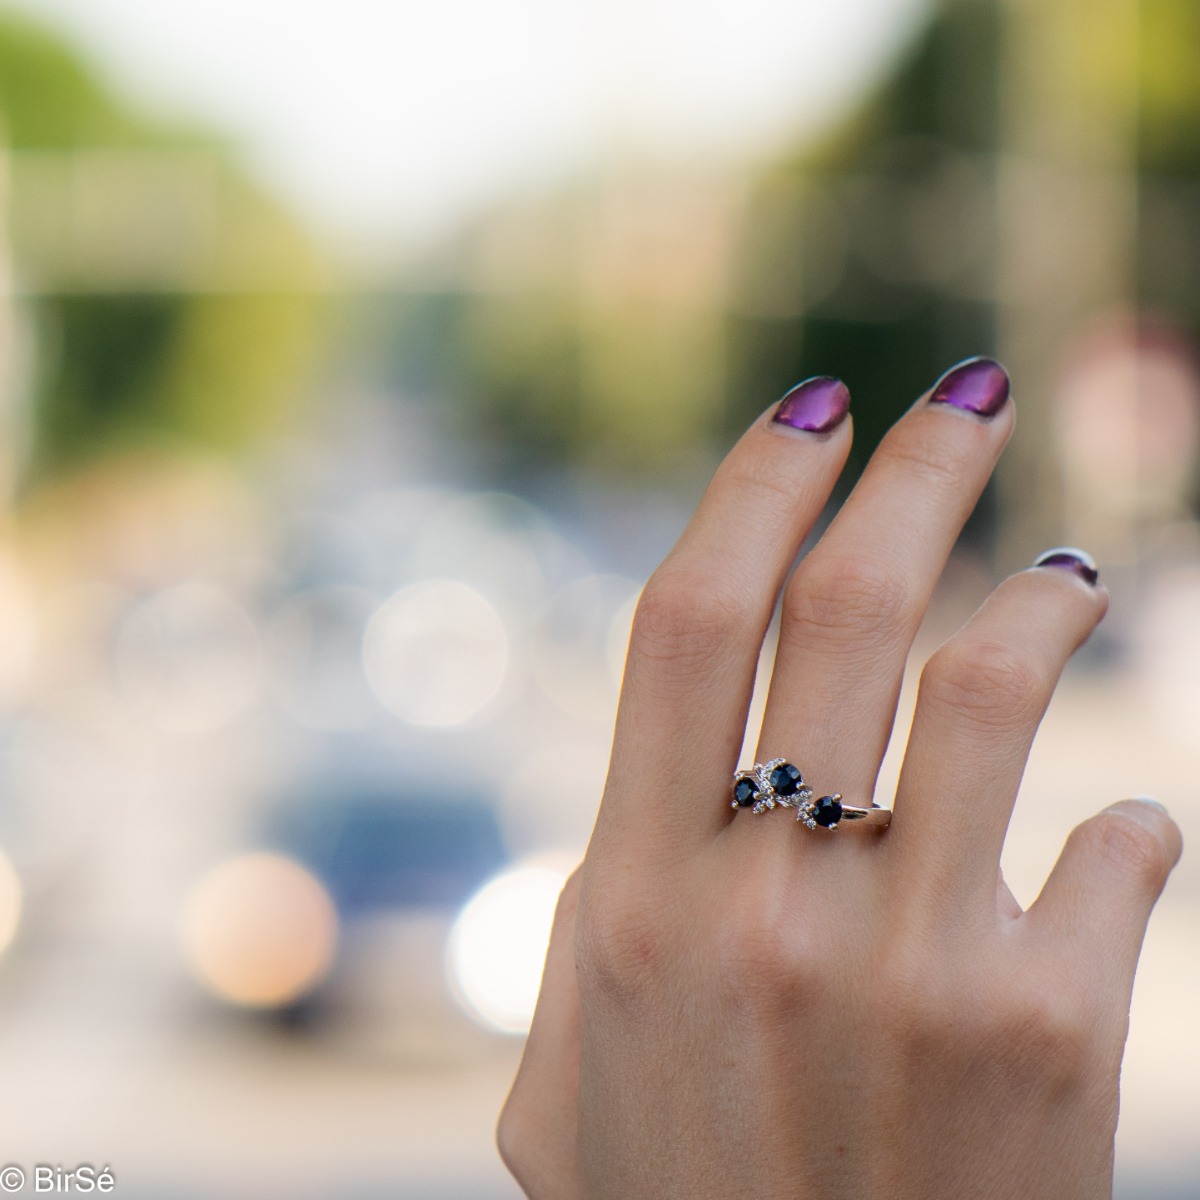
785, 780
827, 811
745, 792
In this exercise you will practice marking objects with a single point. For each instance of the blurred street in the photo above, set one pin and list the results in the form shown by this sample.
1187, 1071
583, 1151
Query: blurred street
380, 1084
358, 365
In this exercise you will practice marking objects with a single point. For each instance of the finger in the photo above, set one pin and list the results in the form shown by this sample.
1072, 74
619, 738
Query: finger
536, 1132
981, 698
1095, 906
852, 609
703, 615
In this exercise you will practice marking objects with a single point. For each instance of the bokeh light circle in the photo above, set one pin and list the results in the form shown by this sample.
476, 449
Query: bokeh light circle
497, 947
259, 930
436, 653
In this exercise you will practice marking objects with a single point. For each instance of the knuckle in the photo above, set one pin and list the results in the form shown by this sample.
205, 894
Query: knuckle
1127, 846
1032, 1034
683, 618
843, 596
915, 1003
1039, 1036
765, 967
619, 951
989, 682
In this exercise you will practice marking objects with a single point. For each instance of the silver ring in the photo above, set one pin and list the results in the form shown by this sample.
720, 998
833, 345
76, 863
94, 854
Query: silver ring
778, 784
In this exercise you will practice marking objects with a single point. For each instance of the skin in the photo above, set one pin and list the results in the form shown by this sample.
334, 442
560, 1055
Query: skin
736, 1006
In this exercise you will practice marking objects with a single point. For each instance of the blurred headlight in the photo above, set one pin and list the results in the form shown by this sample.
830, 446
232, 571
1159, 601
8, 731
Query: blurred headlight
436, 653
259, 930
497, 946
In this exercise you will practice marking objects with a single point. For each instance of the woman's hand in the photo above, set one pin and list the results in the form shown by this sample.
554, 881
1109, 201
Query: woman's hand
737, 1006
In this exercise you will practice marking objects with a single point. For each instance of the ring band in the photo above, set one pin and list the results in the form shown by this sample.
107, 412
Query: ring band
778, 784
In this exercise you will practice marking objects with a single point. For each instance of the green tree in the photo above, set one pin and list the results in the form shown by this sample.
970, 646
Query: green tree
170, 295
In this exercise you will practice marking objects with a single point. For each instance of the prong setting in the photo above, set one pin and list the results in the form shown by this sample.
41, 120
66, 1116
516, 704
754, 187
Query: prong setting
774, 784
778, 784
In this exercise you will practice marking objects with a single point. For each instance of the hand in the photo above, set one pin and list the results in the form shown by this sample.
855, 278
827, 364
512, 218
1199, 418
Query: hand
736, 1006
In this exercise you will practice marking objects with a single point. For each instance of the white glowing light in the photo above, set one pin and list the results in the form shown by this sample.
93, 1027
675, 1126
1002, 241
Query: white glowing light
436, 653
259, 931
10, 902
498, 946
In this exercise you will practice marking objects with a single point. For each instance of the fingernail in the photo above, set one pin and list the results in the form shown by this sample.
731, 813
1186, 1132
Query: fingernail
1146, 812
1070, 558
1150, 802
817, 405
979, 385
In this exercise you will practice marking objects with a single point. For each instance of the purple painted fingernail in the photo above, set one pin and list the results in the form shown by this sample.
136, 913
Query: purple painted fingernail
1070, 559
979, 385
817, 405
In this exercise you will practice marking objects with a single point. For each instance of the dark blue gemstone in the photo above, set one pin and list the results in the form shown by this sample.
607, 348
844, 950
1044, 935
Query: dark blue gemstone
827, 811
785, 780
745, 792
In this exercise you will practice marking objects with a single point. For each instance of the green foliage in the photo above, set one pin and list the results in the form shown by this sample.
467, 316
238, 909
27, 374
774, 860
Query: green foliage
882, 234
49, 98
1169, 87
106, 373
169, 295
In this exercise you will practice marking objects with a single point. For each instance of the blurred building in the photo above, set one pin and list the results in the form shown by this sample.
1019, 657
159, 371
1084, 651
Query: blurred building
167, 296
1024, 178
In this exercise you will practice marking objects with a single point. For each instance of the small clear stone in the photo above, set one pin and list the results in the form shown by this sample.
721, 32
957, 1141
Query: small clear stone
827, 811
785, 780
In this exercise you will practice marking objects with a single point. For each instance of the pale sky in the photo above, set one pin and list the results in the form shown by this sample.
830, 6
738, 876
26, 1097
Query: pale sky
393, 118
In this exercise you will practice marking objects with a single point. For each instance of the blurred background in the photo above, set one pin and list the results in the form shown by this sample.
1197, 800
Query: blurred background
358, 362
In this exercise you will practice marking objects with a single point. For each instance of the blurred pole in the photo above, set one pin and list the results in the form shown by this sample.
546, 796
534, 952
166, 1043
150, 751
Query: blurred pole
1067, 197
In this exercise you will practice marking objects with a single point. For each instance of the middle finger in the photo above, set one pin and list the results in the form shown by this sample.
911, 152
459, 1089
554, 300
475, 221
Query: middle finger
853, 606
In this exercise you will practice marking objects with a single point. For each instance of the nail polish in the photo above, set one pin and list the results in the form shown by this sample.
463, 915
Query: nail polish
979, 385
817, 405
1070, 558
